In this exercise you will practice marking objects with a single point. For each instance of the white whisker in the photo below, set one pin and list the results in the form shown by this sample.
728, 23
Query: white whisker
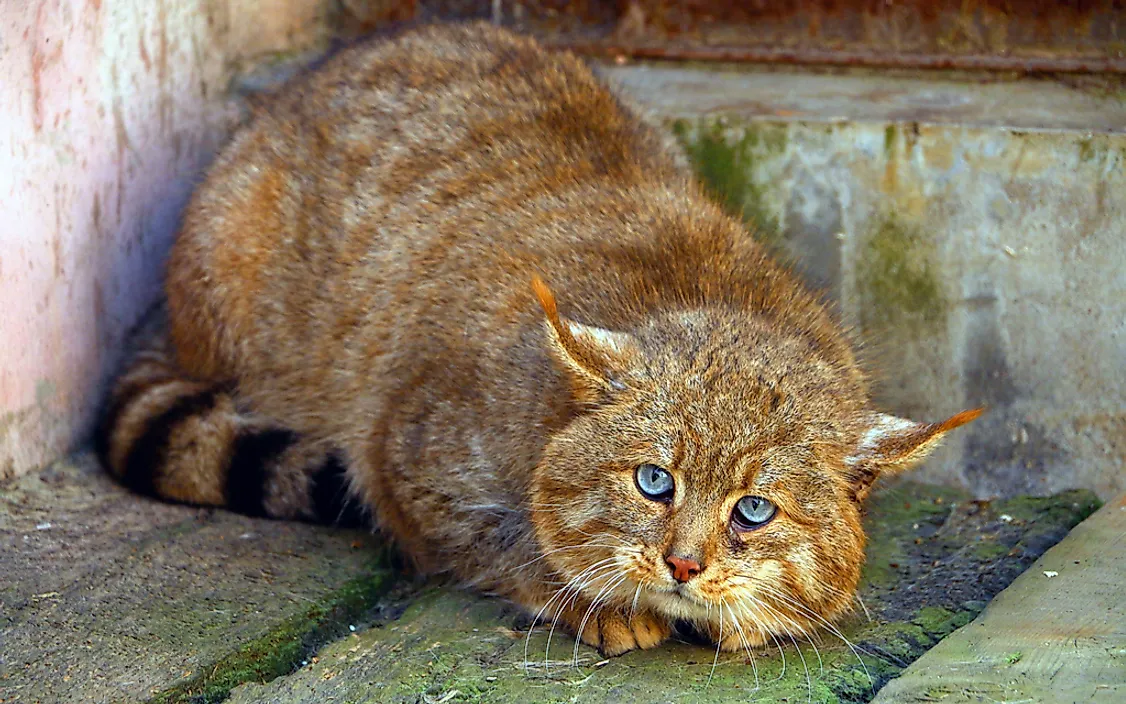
746, 644
562, 592
718, 643
803, 609
864, 607
592, 575
782, 653
613, 584
808, 679
566, 547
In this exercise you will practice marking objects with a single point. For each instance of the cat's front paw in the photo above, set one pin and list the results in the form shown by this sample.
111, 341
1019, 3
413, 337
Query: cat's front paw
731, 640
614, 633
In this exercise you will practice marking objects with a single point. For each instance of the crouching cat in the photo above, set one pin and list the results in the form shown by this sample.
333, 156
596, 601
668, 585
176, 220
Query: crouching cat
449, 285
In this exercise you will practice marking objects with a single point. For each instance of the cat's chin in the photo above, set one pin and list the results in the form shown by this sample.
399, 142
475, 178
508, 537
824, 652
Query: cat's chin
711, 622
680, 604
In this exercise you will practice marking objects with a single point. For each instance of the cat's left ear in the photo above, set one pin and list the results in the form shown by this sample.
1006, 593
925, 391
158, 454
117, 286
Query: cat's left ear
891, 444
599, 361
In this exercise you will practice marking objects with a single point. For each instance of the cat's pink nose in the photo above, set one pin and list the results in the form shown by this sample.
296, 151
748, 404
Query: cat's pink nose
683, 568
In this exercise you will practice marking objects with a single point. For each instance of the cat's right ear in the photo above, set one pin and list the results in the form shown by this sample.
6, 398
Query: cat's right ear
599, 361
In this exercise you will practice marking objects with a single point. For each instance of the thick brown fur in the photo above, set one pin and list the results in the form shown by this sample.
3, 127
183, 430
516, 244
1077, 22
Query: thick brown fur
455, 268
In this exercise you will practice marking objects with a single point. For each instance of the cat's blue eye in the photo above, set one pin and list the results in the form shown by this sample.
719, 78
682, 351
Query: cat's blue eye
654, 483
752, 512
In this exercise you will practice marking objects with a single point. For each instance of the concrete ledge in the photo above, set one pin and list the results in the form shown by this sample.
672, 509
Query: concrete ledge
1058, 634
968, 231
987, 100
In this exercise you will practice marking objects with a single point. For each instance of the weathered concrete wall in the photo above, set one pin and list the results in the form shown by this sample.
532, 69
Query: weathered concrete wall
108, 111
974, 234
973, 231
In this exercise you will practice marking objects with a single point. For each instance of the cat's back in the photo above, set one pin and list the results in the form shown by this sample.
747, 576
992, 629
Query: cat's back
397, 166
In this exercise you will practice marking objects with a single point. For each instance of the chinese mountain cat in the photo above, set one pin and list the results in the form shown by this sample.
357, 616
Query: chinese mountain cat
449, 284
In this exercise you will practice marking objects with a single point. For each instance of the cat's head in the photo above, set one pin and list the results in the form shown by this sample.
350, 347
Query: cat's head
718, 466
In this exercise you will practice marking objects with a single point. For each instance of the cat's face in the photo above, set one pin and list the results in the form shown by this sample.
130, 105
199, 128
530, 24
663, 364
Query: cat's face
716, 476
710, 482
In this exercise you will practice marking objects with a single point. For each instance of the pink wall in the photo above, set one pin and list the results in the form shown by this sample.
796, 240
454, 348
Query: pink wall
109, 109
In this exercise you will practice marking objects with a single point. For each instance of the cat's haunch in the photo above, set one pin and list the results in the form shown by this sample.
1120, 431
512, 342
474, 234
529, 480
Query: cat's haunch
450, 285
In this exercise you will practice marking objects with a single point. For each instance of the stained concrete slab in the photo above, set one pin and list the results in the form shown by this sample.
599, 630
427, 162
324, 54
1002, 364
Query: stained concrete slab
110, 597
743, 92
111, 110
1057, 634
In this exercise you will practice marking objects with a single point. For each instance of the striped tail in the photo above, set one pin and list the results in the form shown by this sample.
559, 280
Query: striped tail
168, 436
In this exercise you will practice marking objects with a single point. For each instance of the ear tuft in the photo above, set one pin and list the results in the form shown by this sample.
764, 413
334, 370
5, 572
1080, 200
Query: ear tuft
891, 444
546, 299
598, 360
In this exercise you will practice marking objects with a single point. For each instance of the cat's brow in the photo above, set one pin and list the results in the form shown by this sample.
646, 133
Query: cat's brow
740, 457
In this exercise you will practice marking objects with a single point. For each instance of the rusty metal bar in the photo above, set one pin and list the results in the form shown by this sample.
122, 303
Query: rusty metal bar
968, 62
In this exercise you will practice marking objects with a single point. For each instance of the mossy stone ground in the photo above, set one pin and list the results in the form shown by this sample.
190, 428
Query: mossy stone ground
935, 560
121, 598
109, 597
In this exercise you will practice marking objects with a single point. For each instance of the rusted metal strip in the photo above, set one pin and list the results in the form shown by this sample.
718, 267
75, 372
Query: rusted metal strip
1021, 36
968, 62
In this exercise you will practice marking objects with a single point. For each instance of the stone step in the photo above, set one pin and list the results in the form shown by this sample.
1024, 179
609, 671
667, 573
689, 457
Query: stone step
1057, 634
966, 226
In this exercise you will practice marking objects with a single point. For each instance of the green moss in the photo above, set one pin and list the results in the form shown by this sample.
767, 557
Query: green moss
898, 279
1100, 148
933, 619
939, 692
938, 622
898, 642
1067, 508
889, 139
987, 550
726, 160
892, 513
1087, 151
766, 139
280, 651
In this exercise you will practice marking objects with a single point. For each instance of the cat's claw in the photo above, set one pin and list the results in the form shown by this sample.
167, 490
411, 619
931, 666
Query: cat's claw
613, 633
